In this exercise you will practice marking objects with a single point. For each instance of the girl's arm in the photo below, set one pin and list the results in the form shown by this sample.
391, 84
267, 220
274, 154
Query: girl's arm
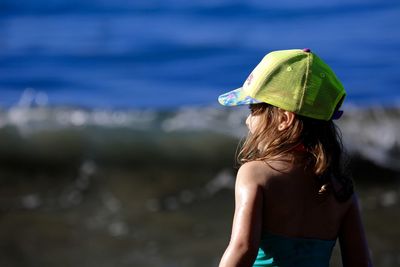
246, 230
353, 243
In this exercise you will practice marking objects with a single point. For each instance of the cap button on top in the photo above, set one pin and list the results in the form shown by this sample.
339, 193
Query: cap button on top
308, 50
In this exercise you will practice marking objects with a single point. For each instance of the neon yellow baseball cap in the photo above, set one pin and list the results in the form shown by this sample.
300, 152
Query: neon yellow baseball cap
295, 80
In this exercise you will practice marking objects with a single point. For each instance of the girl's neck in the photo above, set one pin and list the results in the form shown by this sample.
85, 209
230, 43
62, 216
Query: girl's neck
294, 159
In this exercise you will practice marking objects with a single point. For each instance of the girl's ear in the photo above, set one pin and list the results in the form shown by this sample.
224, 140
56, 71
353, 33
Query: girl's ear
286, 119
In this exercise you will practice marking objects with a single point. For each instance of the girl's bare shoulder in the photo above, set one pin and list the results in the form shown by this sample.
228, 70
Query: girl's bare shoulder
257, 172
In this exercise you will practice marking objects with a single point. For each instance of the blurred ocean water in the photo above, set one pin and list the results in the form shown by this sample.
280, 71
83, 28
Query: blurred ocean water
165, 54
27, 131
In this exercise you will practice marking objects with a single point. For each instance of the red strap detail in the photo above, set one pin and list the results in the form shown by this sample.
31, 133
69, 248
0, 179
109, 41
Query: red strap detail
300, 148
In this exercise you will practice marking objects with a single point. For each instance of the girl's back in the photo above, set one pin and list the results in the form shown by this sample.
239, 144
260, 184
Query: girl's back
295, 207
299, 223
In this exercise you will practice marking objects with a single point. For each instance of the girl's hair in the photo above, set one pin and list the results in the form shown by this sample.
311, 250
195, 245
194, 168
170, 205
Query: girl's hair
321, 140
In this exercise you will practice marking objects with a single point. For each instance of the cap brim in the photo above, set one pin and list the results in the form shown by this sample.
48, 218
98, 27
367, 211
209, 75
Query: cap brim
236, 97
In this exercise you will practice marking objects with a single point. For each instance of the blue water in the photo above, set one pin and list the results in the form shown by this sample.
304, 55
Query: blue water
170, 53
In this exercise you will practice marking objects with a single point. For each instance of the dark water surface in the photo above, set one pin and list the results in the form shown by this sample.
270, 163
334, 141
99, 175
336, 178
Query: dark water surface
147, 217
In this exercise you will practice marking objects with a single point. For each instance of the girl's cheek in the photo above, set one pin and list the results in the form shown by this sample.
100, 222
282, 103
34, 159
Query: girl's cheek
248, 121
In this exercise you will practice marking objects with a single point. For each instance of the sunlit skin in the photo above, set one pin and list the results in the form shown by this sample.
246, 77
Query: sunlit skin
287, 119
281, 210
252, 122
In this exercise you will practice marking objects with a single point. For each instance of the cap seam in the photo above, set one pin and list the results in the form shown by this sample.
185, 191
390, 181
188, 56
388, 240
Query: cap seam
309, 54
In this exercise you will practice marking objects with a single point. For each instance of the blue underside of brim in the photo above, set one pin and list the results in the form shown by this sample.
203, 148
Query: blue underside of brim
236, 98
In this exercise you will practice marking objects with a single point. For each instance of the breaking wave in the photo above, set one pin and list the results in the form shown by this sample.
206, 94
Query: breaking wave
371, 133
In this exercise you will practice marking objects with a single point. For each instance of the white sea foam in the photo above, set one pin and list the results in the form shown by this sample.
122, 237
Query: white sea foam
212, 119
372, 133
31, 201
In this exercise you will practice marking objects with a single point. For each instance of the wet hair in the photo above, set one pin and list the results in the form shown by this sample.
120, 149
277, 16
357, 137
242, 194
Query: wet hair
319, 140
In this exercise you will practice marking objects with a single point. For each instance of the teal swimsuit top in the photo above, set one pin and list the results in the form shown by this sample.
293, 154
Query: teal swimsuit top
281, 251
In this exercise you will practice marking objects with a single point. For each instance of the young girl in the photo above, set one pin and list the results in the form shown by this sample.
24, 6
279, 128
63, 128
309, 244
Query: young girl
293, 197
